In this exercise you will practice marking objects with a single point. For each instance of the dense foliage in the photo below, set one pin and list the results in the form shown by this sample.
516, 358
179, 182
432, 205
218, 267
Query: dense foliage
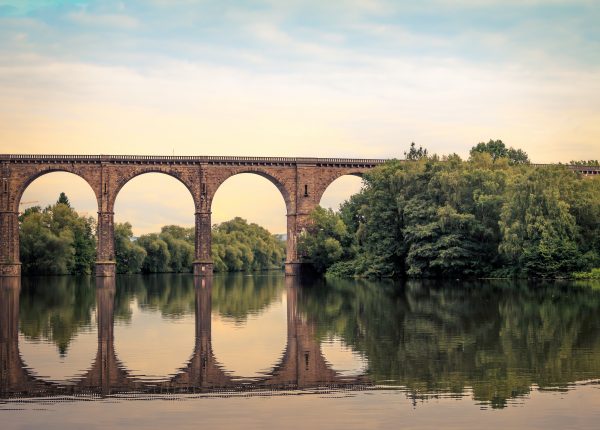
498, 150
56, 240
240, 246
492, 215
236, 246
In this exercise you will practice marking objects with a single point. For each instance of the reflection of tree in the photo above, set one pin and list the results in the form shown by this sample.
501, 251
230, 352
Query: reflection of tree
171, 294
56, 308
237, 295
497, 338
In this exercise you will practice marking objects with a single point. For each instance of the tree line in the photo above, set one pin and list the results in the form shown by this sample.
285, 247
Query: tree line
492, 215
58, 240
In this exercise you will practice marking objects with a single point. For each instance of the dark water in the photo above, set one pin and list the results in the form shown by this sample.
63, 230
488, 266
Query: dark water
268, 351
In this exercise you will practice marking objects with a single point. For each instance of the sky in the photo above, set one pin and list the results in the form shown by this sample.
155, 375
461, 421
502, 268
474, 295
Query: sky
343, 78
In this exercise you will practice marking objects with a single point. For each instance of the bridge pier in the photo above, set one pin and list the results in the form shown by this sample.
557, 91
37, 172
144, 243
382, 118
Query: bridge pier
296, 224
203, 264
105, 260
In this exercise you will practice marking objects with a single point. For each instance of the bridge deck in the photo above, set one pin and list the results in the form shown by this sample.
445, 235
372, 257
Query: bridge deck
225, 160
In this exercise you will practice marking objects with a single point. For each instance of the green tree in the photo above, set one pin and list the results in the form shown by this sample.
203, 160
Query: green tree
445, 217
158, 256
57, 240
181, 251
326, 240
241, 246
62, 198
497, 149
414, 154
539, 231
129, 255
585, 162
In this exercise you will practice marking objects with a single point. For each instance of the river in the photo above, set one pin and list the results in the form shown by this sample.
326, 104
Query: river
266, 351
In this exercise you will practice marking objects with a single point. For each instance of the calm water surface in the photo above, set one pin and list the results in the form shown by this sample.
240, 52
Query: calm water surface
259, 351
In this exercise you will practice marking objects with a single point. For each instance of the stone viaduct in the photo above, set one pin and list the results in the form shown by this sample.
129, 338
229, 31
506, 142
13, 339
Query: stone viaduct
301, 366
301, 181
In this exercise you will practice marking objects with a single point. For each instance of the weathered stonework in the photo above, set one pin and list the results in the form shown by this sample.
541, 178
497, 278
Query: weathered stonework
301, 182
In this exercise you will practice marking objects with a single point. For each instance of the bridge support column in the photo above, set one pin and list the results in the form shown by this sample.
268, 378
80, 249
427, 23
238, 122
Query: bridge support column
105, 260
203, 265
296, 223
9, 244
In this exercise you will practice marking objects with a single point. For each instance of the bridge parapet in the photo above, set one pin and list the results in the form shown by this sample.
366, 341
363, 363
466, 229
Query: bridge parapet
186, 159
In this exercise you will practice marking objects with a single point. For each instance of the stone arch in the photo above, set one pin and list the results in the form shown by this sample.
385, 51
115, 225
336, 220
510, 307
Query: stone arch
190, 182
327, 187
23, 185
329, 179
280, 182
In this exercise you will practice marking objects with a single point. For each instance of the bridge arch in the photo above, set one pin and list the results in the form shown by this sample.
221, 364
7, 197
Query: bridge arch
32, 177
332, 177
340, 190
181, 175
281, 183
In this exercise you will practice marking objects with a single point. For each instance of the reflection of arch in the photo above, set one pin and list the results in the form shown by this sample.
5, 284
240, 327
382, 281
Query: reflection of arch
302, 364
14, 376
272, 177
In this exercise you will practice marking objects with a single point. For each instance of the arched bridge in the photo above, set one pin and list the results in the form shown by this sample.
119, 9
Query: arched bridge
301, 181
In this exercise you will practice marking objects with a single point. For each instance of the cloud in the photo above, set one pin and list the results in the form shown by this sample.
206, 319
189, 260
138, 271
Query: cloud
300, 78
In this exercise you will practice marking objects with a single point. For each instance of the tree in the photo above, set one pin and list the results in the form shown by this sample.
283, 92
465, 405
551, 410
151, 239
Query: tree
158, 256
414, 154
584, 162
441, 218
129, 255
57, 240
63, 199
539, 232
241, 246
325, 241
497, 149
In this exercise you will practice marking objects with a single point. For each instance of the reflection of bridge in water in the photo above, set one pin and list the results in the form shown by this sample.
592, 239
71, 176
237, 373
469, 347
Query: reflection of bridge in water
302, 364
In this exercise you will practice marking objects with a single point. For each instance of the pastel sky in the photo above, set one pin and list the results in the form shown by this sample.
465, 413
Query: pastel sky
347, 78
